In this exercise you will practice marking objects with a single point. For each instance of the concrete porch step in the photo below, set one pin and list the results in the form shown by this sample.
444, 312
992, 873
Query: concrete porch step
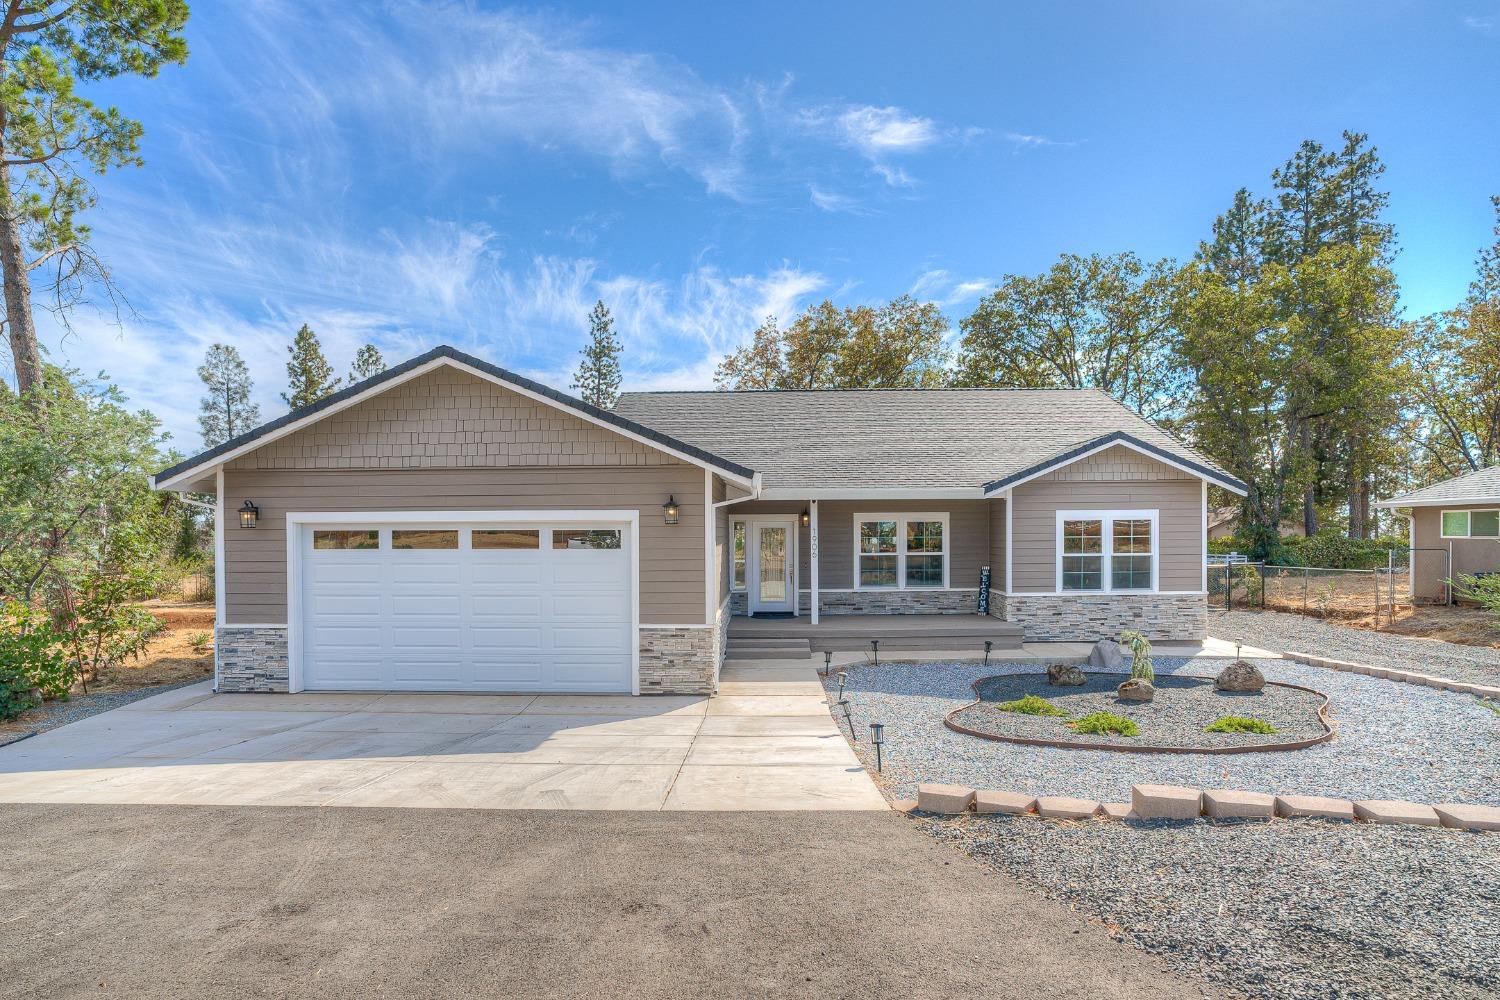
751, 650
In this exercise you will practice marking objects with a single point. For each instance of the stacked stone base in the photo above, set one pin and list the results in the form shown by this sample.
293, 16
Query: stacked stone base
679, 660
251, 659
1090, 617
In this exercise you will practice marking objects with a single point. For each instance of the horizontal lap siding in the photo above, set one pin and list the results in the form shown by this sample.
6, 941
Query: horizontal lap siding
968, 544
671, 557
1116, 479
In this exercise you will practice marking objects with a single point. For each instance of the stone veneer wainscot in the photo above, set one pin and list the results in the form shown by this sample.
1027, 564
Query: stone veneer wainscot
1089, 617
251, 659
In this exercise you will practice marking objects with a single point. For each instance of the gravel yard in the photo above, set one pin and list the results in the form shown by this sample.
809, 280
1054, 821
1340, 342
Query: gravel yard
1303, 909
1394, 741
1280, 632
1184, 706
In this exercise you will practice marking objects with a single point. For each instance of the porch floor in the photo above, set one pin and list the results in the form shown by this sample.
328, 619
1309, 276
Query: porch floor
850, 632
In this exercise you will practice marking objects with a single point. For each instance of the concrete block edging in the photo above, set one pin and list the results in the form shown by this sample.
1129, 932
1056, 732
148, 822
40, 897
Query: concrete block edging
1182, 804
1392, 674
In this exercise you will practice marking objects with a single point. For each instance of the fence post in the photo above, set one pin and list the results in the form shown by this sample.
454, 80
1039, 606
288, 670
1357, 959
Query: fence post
1305, 572
1390, 582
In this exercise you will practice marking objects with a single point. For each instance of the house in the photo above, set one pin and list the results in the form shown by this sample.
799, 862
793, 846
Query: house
449, 525
1455, 531
1224, 522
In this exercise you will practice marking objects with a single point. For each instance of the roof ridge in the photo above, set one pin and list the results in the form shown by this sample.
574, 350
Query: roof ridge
908, 388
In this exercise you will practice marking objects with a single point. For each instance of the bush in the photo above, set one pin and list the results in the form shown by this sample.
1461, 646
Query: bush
1240, 724
32, 665
1141, 668
1482, 590
1105, 724
1031, 705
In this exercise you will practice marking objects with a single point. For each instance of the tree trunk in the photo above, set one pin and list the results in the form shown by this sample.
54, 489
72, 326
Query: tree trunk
1309, 512
19, 324
1359, 511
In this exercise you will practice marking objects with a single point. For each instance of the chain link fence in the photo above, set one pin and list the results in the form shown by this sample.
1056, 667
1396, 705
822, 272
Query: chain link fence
1320, 591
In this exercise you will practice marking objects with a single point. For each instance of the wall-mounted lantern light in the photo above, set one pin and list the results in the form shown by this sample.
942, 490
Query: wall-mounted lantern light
806, 518
670, 510
249, 514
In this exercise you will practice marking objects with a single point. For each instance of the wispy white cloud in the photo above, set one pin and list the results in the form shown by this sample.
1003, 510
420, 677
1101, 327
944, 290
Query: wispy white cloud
879, 132
939, 285
1022, 140
1482, 24
832, 201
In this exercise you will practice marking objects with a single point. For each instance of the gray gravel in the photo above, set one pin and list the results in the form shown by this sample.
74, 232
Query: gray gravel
1184, 706
1302, 909
61, 713
1395, 741
1280, 632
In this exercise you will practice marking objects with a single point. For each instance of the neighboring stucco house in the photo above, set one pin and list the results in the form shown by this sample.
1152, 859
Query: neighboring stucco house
1224, 522
448, 525
1455, 531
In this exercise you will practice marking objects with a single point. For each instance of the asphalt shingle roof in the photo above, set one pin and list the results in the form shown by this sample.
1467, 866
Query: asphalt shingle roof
1472, 487
898, 438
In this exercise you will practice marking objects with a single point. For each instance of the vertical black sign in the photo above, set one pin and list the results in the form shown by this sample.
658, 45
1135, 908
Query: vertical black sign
984, 590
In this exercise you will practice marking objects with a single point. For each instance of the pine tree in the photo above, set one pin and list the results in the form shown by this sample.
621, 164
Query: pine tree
598, 377
309, 375
367, 364
226, 411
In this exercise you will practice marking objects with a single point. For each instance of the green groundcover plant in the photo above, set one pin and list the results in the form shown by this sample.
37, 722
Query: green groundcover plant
1105, 724
1031, 705
1240, 724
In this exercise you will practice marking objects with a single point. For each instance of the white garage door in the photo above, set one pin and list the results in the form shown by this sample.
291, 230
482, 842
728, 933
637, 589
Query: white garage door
470, 607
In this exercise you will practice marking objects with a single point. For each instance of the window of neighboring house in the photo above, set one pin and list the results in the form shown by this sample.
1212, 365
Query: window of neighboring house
737, 560
1106, 551
900, 551
1471, 524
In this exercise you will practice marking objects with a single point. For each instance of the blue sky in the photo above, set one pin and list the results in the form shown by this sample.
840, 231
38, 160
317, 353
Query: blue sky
419, 173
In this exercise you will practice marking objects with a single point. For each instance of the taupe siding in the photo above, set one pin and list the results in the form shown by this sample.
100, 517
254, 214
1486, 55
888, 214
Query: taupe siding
450, 419
1139, 483
1430, 561
997, 546
721, 543
969, 544
671, 557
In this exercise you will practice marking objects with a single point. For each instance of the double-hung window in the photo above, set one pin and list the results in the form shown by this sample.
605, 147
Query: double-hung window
1471, 524
900, 551
1106, 551
737, 555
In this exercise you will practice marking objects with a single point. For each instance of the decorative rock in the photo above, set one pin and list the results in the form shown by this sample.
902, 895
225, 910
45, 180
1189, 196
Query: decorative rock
1166, 802
1465, 817
1061, 807
1136, 689
1396, 811
1319, 806
1107, 655
1065, 675
1116, 810
1224, 803
1009, 803
1240, 676
945, 799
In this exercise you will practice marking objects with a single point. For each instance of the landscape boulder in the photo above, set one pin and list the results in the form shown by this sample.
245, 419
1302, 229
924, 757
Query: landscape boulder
1107, 655
1240, 676
1065, 675
1136, 689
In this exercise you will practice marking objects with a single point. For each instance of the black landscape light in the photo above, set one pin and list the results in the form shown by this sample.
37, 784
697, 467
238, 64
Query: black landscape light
827, 661
988, 645
844, 704
1237, 644
877, 736
875, 645
249, 514
843, 679
670, 510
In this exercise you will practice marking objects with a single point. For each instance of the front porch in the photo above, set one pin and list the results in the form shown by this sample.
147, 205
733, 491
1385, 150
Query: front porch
785, 638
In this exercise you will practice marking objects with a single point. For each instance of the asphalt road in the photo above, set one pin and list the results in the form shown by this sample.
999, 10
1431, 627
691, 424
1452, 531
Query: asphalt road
157, 901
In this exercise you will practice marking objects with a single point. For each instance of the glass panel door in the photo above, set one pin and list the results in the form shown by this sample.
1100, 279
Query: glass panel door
773, 564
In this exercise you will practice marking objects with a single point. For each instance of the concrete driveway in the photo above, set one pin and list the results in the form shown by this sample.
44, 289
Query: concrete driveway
768, 742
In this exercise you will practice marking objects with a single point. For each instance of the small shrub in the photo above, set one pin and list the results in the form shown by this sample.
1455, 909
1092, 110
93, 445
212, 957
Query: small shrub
1141, 667
1105, 724
1031, 705
1482, 590
201, 641
1240, 724
32, 664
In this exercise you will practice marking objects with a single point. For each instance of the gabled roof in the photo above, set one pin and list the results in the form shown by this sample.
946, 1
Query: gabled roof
963, 441
1482, 486
169, 478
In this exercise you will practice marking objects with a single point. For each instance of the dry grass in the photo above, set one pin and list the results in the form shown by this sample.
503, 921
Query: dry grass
169, 659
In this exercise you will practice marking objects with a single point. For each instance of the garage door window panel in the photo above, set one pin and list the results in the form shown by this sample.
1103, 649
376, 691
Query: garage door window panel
586, 539
327, 540
425, 538
506, 540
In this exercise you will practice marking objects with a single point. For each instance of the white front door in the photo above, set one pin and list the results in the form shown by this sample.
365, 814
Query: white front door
466, 607
772, 582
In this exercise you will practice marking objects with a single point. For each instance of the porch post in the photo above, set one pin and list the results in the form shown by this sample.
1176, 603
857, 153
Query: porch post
812, 555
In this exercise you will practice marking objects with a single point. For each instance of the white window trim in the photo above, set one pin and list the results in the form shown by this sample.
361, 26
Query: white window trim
745, 522
901, 518
1107, 561
1468, 513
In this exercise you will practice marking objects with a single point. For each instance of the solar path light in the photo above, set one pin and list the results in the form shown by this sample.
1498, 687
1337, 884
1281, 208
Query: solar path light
877, 736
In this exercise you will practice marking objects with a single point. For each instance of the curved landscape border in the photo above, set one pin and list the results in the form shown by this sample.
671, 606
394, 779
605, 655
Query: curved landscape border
1026, 741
